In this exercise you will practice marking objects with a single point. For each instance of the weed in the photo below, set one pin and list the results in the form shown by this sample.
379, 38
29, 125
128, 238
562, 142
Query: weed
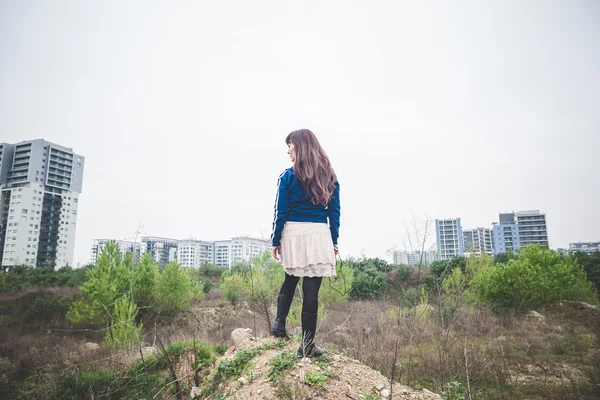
454, 391
323, 362
316, 379
282, 363
368, 397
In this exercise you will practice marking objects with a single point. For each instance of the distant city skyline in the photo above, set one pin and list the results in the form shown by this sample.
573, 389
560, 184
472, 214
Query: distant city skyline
190, 253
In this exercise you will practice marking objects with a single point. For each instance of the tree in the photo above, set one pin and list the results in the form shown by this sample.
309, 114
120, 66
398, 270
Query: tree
591, 266
175, 289
108, 281
145, 278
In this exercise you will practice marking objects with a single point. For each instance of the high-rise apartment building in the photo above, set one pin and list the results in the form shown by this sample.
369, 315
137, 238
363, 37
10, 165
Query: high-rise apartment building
449, 238
125, 247
478, 241
195, 253
163, 250
532, 228
40, 183
238, 249
520, 229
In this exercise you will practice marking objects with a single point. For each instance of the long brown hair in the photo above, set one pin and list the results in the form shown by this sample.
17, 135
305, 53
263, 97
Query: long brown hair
312, 166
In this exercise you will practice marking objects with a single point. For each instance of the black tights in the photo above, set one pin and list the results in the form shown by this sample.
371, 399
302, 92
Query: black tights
310, 290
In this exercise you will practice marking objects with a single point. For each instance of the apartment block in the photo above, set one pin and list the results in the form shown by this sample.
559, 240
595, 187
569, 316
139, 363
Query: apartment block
125, 247
478, 241
195, 253
532, 228
414, 257
449, 238
40, 183
163, 250
239, 249
586, 247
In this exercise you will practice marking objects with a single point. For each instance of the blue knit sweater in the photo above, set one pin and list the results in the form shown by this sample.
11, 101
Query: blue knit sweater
294, 204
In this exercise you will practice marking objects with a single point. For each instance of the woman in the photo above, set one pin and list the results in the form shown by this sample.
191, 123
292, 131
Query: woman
308, 194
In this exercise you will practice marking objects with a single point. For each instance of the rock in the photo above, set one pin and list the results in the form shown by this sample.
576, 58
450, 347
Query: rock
386, 393
149, 350
90, 346
379, 387
243, 380
431, 393
259, 391
242, 337
591, 307
195, 392
536, 315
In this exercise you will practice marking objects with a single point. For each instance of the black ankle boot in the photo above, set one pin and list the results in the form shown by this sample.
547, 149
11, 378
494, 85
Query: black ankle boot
309, 328
283, 308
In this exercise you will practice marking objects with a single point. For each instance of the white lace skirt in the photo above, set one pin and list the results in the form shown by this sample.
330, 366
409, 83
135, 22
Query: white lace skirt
307, 249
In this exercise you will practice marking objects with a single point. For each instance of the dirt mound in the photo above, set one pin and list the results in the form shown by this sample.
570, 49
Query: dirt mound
270, 369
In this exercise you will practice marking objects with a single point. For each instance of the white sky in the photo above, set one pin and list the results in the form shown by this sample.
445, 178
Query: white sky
181, 110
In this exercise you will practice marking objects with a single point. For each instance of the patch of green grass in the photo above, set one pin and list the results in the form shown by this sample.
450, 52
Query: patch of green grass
282, 363
324, 361
205, 355
233, 368
316, 379
103, 383
368, 397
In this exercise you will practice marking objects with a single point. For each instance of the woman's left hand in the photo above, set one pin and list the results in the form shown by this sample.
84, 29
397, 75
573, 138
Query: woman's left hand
276, 250
336, 250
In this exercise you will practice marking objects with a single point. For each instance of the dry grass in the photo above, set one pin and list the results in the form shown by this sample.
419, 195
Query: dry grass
509, 356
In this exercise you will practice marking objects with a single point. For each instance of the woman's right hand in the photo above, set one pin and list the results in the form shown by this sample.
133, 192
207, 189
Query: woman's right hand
336, 250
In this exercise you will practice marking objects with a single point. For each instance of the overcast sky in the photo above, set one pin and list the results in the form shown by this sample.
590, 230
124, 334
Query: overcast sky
181, 110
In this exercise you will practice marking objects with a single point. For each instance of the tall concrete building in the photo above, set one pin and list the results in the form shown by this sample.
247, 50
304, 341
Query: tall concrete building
163, 250
449, 238
40, 183
532, 228
195, 253
520, 229
586, 247
478, 241
239, 249
414, 257
125, 247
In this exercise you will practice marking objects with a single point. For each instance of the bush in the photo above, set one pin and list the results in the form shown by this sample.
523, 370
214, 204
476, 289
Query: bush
232, 286
123, 332
46, 308
175, 289
21, 278
370, 277
591, 266
536, 277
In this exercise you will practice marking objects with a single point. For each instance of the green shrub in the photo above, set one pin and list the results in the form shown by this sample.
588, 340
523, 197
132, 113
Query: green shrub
145, 278
175, 289
536, 277
123, 332
232, 286
48, 307
21, 278
103, 383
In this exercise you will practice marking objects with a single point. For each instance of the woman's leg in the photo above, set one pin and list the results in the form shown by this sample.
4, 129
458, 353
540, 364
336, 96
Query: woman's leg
310, 306
310, 289
284, 301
